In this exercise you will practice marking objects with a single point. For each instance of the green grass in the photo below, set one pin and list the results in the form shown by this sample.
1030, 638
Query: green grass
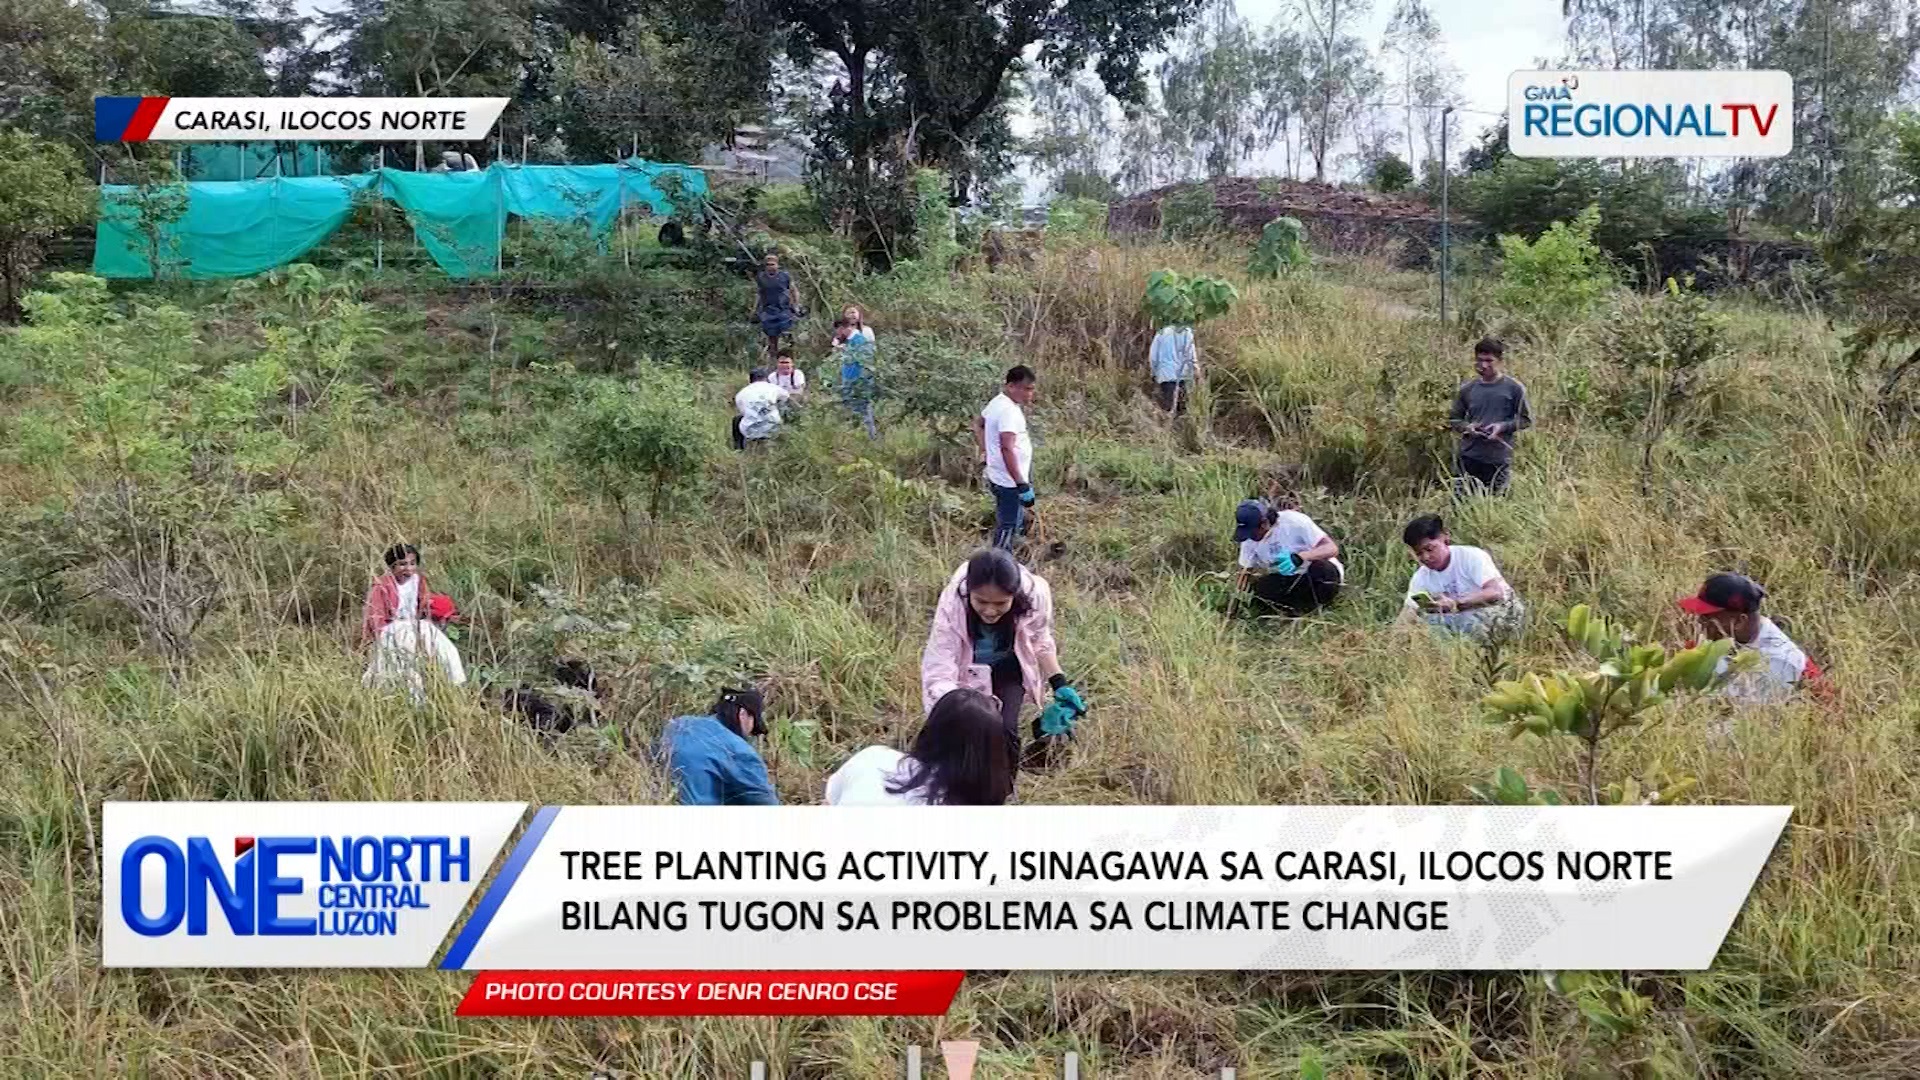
822, 580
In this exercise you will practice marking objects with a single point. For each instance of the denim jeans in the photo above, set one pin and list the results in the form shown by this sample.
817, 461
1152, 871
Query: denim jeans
1007, 516
1507, 620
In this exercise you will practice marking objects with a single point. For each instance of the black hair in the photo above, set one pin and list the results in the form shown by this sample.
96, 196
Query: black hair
1491, 346
962, 754
1020, 373
993, 566
785, 353
758, 374
732, 701
400, 551
838, 323
1424, 527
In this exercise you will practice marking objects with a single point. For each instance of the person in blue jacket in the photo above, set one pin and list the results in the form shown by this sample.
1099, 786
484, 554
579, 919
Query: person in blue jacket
710, 758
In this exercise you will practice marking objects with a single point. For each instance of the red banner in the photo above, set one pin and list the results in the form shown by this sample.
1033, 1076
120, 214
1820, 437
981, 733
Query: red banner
711, 993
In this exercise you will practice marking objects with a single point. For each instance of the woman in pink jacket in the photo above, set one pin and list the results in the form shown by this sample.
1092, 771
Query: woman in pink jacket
993, 632
400, 593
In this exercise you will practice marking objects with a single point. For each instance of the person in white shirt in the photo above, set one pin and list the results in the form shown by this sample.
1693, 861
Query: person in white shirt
960, 758
758, 406
1175, 366
1001, 433
788, 377
1457, 587
1728, 606
1289, 561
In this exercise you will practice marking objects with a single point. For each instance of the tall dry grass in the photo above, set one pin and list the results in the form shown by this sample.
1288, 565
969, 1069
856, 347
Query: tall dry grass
824, 581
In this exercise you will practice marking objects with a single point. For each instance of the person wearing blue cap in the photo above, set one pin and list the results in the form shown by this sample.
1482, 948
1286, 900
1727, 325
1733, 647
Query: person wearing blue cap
1289, 562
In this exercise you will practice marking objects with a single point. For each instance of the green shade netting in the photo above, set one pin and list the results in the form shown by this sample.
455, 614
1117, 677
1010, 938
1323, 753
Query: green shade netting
253, 160
228, 230
233, 229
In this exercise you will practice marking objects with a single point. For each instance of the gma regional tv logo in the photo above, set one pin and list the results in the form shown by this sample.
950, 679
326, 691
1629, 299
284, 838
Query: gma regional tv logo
365, 884
291, 884
1573, 114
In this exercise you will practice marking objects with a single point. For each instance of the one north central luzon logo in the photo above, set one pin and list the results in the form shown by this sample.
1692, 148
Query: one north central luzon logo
1556, 111
365, 883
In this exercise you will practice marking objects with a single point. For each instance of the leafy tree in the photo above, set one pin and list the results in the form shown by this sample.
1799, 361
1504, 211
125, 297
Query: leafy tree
646, 438
939, 386
1073, 134
1491, 150
1340, 74
1661, 345
1877, 259
42, 193
1633, 676
1390, 174
1173, 299
931, 73
1556, 279
1282, 248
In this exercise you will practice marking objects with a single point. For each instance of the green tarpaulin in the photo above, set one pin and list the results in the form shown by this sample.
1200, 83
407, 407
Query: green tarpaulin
232, 229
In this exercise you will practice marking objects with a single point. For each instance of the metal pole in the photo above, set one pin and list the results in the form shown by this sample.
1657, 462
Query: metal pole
1446, 247
913, 1063
379, 215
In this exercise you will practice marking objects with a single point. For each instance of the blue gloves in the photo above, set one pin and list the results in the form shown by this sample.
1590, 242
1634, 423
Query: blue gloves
1066, 707
1285, 564
1026, 494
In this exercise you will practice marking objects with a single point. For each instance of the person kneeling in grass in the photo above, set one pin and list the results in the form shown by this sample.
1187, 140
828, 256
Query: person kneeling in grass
1457, 588
709, 756
1728, 606
1289, 561
993, 633
960, 758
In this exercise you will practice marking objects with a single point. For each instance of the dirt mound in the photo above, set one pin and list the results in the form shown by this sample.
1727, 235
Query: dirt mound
1337, 219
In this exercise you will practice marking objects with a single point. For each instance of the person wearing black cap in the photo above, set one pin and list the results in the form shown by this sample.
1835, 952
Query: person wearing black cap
1290, 562
710, 758
1728, 606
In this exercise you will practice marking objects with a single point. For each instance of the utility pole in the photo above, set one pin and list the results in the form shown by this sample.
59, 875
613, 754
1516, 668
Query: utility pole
1446, 249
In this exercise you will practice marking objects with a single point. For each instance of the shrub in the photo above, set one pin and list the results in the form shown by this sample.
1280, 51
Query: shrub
1390, 174
648, 437
933, 383
1076, 218
1660, 346
1189, 214
42, 192
1283, 248
1556, 279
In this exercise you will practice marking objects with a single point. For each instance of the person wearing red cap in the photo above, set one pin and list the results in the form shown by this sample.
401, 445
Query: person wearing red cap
1728, 606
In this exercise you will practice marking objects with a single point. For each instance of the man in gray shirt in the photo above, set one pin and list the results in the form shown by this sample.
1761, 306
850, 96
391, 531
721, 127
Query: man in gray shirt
1489, 412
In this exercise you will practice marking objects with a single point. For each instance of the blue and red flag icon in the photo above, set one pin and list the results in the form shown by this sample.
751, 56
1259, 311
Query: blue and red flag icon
126, 119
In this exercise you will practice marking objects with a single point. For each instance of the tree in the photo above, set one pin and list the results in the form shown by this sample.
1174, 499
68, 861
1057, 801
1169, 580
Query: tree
1073, 134
1877, 258
1389, 174
42, 193
929, 73
1340, 76
1421, 75
628, 440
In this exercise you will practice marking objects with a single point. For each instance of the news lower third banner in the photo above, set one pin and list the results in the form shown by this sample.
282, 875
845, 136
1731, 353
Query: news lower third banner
305, 119
940, 889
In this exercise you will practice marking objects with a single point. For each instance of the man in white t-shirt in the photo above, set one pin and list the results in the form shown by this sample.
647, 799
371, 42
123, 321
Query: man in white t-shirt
1457, 587
758, 406
1728, 606
1290, 562
788, 377
1001, 432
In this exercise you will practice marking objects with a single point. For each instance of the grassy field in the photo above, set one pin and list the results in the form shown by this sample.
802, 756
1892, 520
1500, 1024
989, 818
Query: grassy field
819, 573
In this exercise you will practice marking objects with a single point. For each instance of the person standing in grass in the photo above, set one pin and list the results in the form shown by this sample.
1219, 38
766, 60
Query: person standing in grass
856, 374
993, 633
776, 302
400, 593
1489, 412
1728, 606
1457, 588
857, 328
959, 758
1291, 564
1000, 431
709, 757
1175, 366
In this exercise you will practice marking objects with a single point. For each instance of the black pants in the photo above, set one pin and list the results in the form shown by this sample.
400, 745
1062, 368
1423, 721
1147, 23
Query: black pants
739, 440
1173, 396
1491, 475
1298, 594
